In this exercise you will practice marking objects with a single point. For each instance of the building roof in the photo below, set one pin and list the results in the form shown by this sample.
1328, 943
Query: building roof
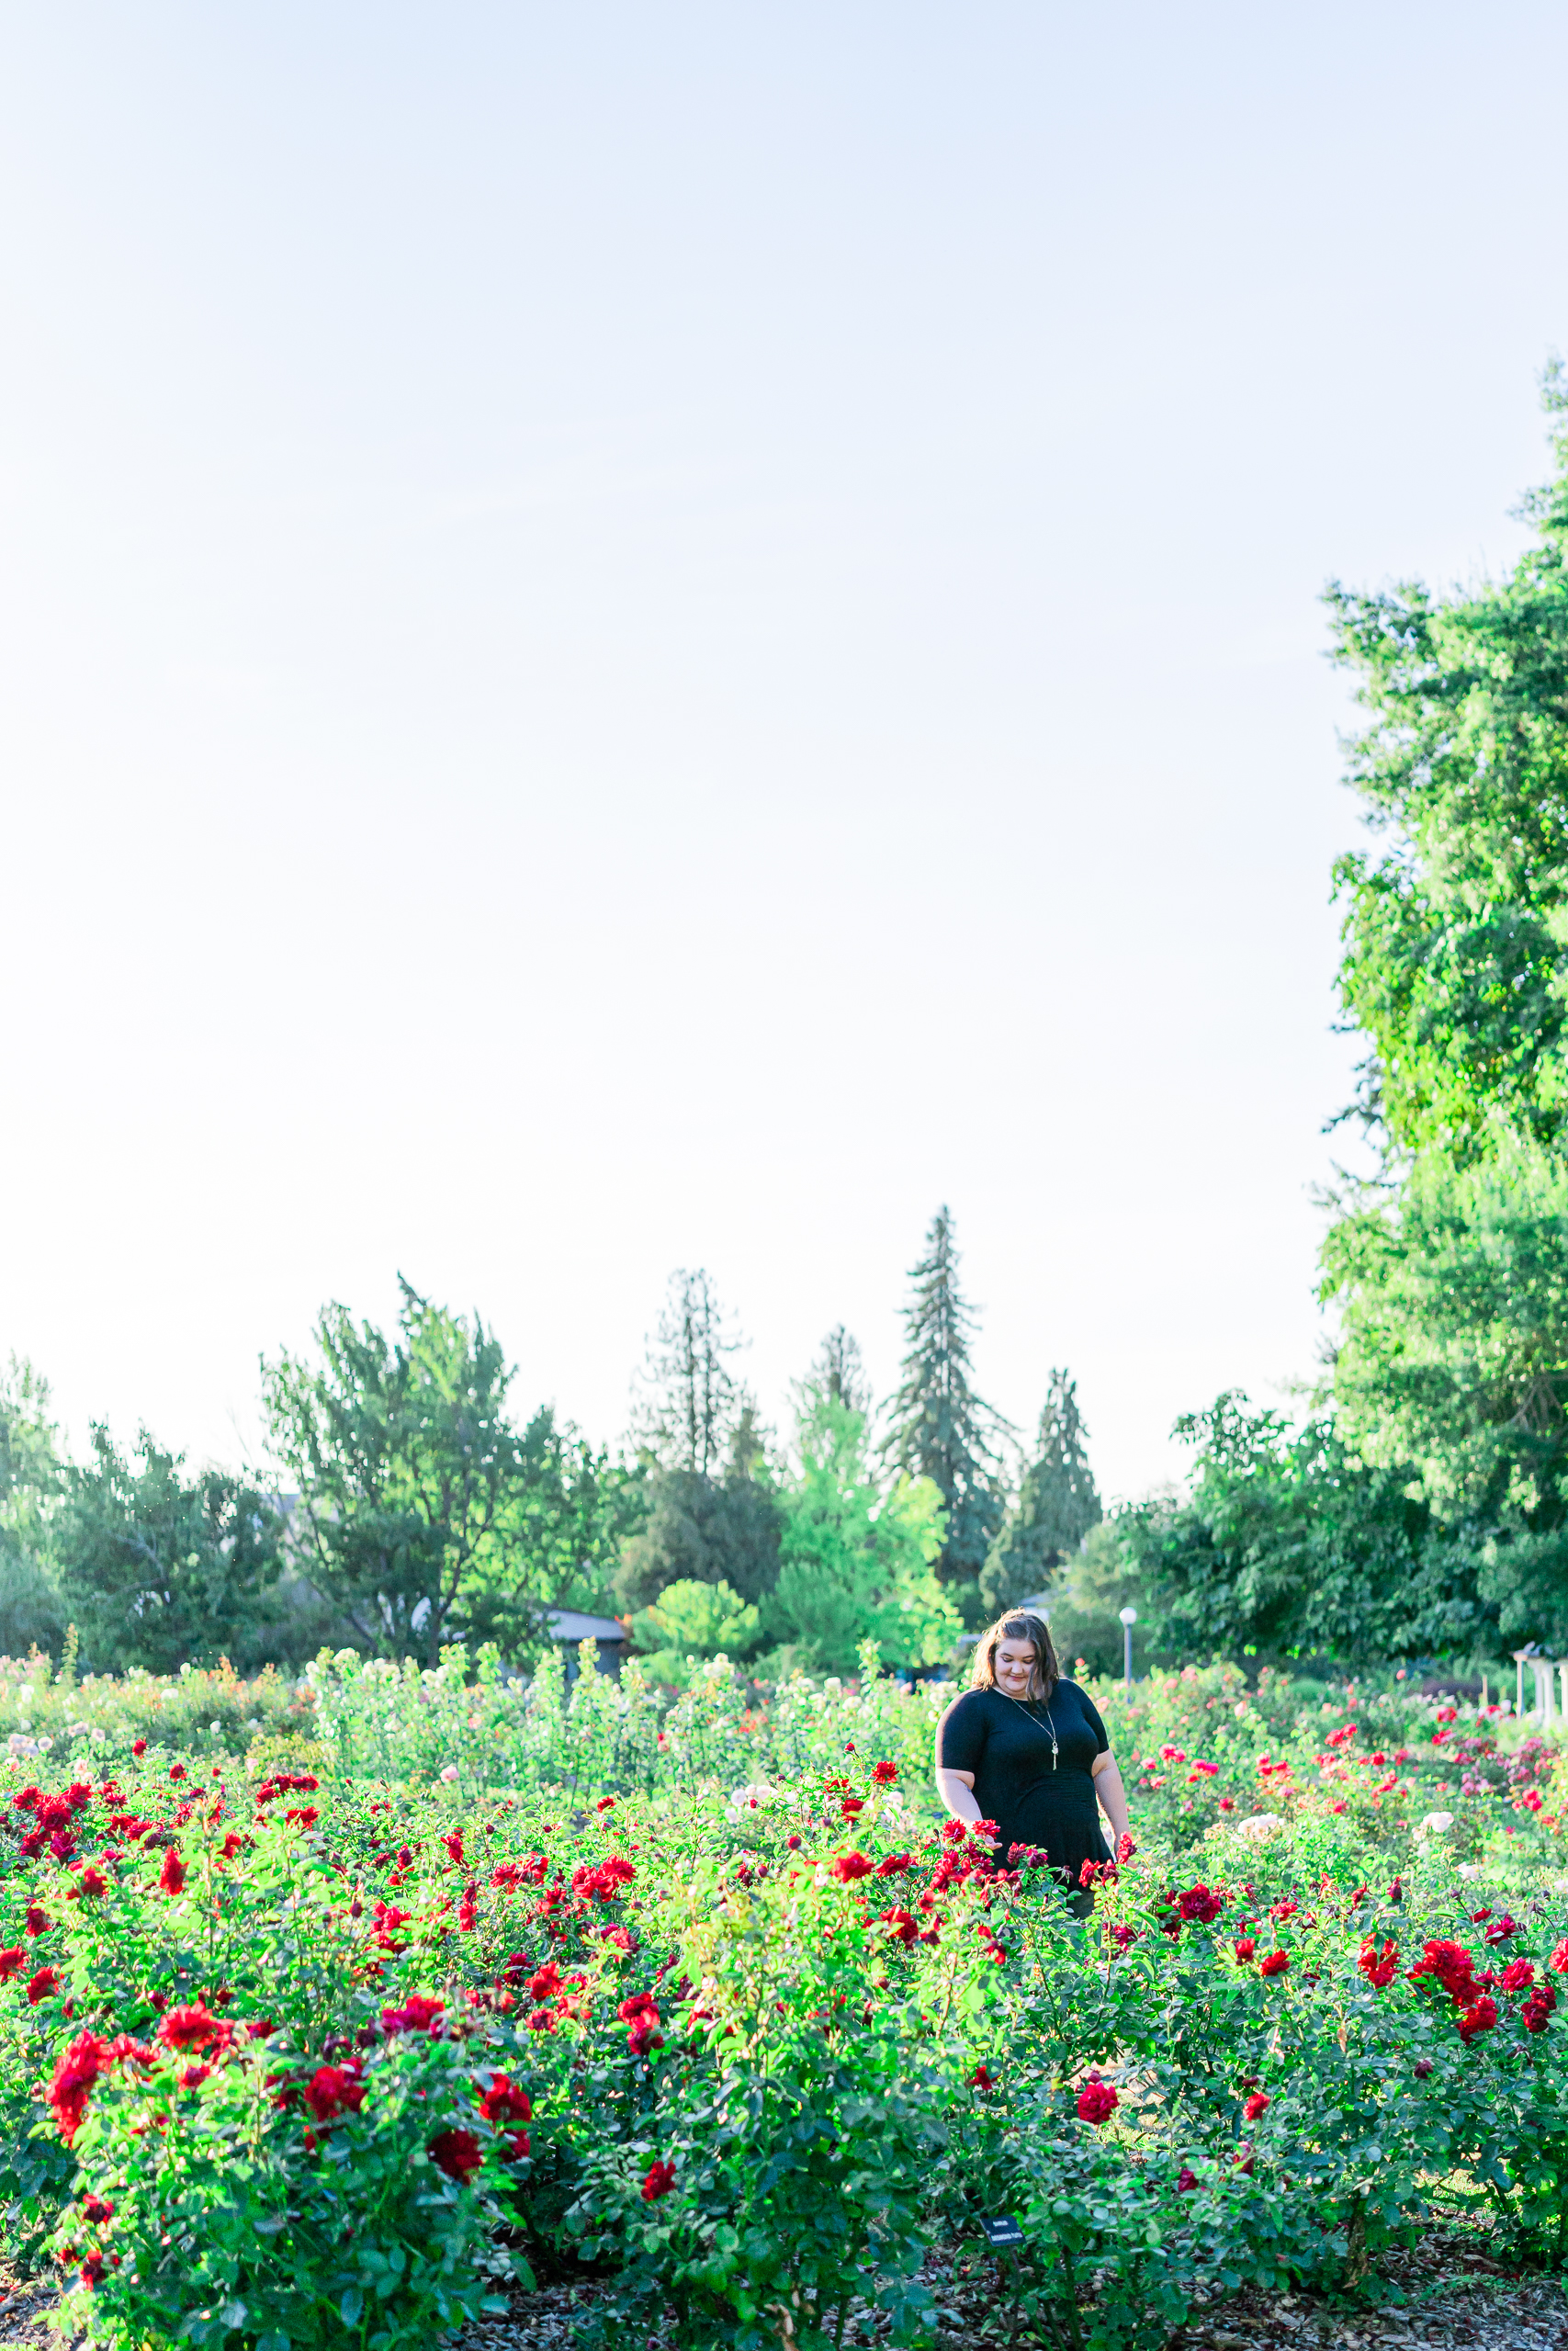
570, 1624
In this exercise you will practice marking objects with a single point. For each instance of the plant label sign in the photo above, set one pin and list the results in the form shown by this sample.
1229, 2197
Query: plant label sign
1003, 2232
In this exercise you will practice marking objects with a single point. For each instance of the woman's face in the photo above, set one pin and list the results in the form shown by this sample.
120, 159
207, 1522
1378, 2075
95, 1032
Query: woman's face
1013, 1664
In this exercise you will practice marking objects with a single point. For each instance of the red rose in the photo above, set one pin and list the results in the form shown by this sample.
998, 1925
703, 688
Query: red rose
1186, 2180
74, 2075
172, 1876
333, 2090
44, 1985
457, 2154
419, 2013
1246, 1949
1255, 2105
850, 1865
884, 1774
1480, 2017
1275, 1965
1097, 2102
191, 2026
12, 1963
138, 1746
503, 2102
659, 2182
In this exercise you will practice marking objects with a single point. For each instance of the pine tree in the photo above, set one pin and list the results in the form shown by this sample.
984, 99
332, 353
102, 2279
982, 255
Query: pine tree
938, 1428
694, 1404
1058, 1504
839, 1373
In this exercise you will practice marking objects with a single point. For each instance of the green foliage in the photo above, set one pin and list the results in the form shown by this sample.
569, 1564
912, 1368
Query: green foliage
856, 1561
694, 1620
158, 1569
1287, 1545
1456, 933
1087, 1593
1454, 1362
407, 1468
938, 1428
702, 1530
780, 2043
567, 1513
1058, 1504
31, 1481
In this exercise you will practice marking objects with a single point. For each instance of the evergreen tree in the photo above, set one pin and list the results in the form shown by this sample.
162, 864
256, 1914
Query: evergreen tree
694, 1404
938, 1428
839, 1372
1058, 1504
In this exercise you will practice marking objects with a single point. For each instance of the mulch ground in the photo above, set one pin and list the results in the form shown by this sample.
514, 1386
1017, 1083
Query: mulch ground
1454, 2298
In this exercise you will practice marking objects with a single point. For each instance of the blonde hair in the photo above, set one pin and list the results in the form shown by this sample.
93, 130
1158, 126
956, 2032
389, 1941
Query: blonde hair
1019, 1625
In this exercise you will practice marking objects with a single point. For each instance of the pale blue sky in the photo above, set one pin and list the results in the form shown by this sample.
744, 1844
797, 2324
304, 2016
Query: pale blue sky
638, 637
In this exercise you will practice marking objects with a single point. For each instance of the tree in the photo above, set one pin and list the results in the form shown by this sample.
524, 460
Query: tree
1058, 1504
32, 1483
702, 1530
409, 1471
1452, 1365
692, 1403
1456, 931
569, 1509
938, 1428
1287, 1545
856, 1560
157, 1569
840, 1373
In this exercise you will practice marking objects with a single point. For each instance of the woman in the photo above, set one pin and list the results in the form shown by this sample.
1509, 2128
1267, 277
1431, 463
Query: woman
1028, 1750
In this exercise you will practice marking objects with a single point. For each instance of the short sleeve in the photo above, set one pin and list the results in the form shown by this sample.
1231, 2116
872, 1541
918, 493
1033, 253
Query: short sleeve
961, 1734
1091, 1716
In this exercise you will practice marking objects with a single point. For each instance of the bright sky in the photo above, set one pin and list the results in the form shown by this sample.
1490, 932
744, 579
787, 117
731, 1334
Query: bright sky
648, 637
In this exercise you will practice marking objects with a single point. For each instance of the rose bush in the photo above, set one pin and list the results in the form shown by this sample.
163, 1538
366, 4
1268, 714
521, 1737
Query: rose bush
309, 2056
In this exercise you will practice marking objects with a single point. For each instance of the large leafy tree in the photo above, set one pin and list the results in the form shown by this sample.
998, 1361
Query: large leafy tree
1286, 1545
569, 1509
409, 1471
938, 1428
1450, 1272
1056, 1505
156, 1567
857, 1555
1456, 922
1452, 1366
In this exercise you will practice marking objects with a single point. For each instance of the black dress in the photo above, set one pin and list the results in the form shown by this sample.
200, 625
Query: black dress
1034, 1798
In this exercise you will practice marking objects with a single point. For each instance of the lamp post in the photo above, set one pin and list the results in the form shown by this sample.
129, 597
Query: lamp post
1129, 1616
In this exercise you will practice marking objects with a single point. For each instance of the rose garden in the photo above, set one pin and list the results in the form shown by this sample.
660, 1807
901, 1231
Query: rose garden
333, 2011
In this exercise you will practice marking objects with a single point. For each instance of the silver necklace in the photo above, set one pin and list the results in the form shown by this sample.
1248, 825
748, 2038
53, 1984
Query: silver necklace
1049, 1724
